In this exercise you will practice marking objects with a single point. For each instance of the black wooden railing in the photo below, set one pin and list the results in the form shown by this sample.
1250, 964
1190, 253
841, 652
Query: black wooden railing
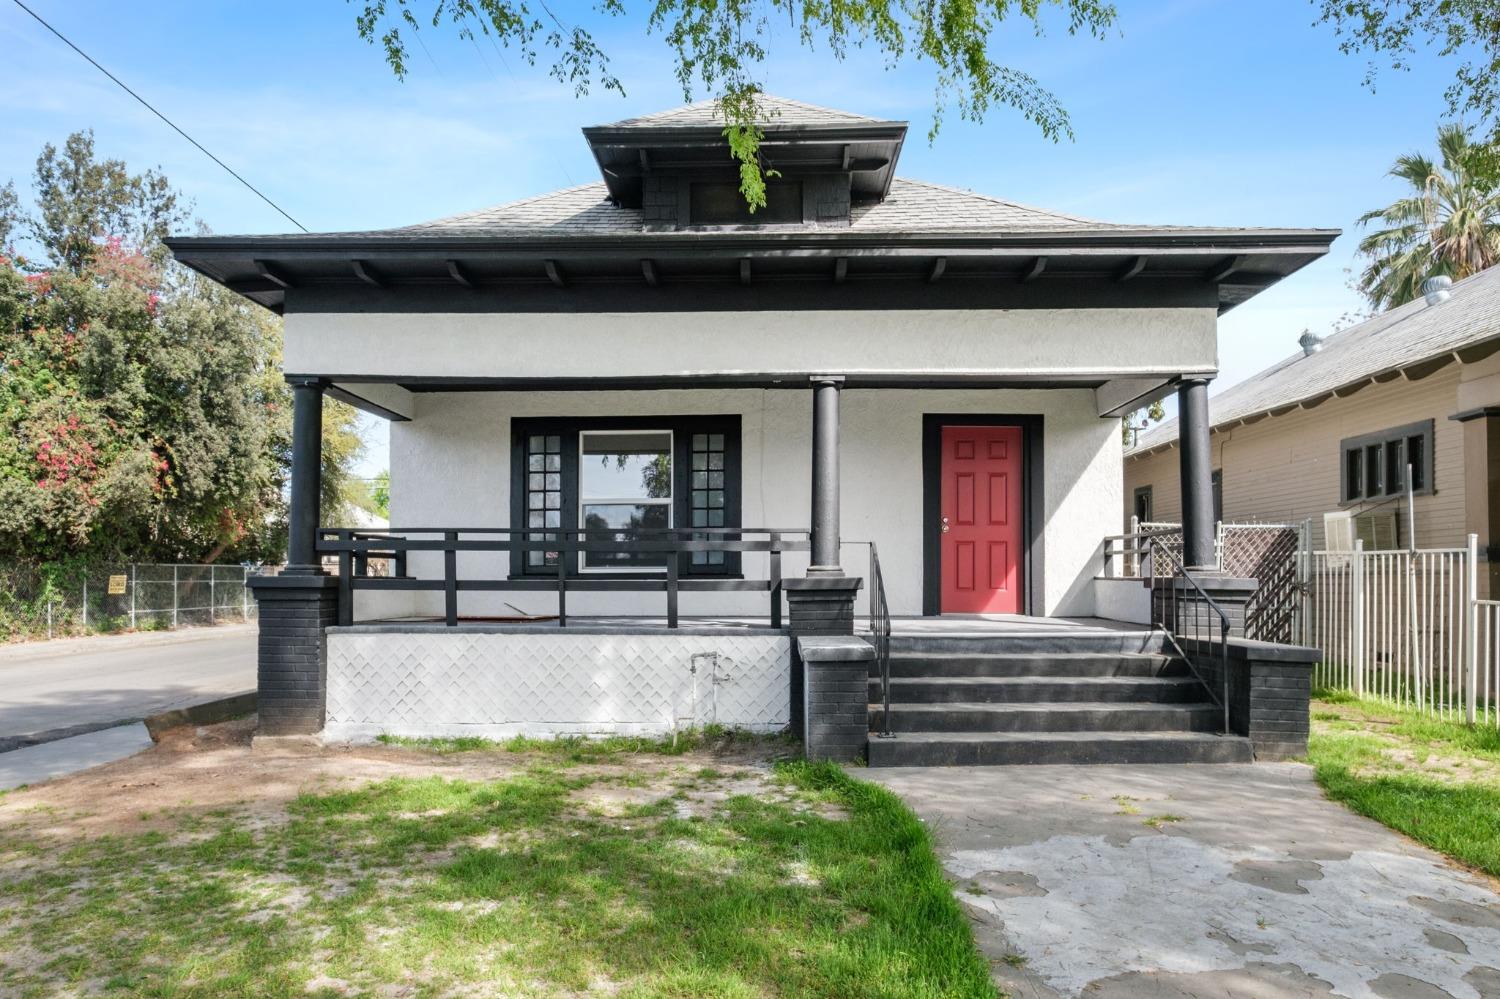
671, 548
1197, 624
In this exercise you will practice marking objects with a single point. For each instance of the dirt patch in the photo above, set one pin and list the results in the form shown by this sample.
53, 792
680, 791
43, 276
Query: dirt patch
210, 770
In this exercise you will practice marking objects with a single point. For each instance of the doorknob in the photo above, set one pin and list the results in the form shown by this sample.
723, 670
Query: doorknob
945, 525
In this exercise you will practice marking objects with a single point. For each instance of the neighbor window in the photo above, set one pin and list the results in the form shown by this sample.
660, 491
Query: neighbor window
621, 479
1143, 504
1374, 465
624, 486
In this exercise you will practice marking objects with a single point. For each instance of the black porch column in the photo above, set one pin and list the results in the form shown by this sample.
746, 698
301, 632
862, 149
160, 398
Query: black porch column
825, 476
297, 606
307, 473
830, 686
1197, 474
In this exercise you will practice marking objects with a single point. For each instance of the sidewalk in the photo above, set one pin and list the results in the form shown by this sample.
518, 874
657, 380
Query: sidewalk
35, 764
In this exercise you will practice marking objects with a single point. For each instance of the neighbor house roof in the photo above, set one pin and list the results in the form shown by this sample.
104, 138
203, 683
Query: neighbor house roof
1414, 339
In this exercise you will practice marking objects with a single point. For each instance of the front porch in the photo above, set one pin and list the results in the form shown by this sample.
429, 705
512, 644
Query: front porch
572, 618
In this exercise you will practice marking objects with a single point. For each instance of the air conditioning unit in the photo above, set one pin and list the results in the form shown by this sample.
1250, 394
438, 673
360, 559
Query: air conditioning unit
1379, 530
1338, 531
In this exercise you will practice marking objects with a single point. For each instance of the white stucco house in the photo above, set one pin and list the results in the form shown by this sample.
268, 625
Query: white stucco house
675, 425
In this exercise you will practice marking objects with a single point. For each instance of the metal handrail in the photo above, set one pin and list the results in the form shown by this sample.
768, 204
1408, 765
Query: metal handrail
1169, 623
880, 634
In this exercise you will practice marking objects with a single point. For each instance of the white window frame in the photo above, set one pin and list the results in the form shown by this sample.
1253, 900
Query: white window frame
669, 501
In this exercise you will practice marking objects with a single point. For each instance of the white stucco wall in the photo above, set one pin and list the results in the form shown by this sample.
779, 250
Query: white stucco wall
1024, 343
451, 466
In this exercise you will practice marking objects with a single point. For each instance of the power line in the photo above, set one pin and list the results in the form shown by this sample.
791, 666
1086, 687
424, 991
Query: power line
147, 105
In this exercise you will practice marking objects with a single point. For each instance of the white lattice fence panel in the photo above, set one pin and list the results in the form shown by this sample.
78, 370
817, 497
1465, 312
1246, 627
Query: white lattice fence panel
459, 683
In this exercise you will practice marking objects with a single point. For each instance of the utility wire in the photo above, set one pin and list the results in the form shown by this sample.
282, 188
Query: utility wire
147, 105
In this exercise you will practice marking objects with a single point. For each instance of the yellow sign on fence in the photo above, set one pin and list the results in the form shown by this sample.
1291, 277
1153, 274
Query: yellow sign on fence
117, 585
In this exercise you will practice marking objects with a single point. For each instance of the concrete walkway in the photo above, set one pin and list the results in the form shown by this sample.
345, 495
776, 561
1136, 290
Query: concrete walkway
62, 688
35, 764
1229, 881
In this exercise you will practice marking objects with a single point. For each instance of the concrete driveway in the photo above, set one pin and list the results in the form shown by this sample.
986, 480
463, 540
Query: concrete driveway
1231, 882
51, 689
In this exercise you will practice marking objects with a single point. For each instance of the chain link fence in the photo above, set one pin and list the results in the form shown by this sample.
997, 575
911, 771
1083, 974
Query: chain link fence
53, 602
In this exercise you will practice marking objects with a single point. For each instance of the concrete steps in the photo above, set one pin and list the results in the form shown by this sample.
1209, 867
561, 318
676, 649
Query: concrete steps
1090, 696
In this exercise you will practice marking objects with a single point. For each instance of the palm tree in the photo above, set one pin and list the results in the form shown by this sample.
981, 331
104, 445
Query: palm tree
1449, 222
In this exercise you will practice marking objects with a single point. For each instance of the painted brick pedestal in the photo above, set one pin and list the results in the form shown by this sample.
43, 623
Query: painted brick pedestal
816, 605
292, 651
837, 696
1270, 687
1194, 617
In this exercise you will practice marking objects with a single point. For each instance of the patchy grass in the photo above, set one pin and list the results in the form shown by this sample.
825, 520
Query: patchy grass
1436, 781
1167, 818
639, 881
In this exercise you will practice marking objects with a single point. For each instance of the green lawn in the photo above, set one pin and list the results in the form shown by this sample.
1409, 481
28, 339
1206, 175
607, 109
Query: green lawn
578, 874
1436, 781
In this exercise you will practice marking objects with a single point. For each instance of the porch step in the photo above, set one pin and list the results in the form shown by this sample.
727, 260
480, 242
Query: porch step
1040, 689
1038, 664
1060, 693
1100, 640
1083, 717
932, 749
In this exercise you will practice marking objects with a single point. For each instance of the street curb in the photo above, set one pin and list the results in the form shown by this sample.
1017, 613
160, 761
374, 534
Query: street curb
207, 713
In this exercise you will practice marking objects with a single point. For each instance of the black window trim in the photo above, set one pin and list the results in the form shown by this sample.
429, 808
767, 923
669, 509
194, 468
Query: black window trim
683, 427
1381, 438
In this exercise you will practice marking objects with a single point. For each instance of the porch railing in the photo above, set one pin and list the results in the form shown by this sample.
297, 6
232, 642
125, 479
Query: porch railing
356, 549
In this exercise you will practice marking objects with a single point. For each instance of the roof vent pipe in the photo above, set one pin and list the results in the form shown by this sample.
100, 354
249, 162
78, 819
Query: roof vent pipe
1310, 342
1437, 289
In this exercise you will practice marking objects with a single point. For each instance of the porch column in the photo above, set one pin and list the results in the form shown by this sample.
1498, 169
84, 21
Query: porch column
296, 607
1197, 474
825, 476
307, 473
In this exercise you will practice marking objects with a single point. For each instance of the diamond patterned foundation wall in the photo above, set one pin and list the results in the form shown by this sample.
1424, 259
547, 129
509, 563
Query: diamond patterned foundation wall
497, 685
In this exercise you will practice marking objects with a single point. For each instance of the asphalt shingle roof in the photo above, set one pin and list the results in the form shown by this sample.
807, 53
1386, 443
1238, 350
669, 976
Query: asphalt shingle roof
1405, 335
912, 205
780, 110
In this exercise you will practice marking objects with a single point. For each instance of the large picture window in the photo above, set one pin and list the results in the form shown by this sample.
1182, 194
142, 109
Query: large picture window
620, 478
624, 485
1373, 466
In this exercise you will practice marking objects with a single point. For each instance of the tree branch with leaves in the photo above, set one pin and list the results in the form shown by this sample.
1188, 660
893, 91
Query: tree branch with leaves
720, 47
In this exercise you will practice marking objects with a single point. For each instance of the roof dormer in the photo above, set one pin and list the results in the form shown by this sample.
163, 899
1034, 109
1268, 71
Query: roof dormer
676, 167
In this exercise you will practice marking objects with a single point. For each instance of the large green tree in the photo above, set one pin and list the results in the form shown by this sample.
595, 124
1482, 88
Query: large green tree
144, 415
719, 48
1446, 222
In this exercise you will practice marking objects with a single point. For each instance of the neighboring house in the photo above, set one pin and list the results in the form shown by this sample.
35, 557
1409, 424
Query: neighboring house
1327, 434
639, 392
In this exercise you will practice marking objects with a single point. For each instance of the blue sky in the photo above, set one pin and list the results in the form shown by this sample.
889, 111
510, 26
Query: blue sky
1190, 111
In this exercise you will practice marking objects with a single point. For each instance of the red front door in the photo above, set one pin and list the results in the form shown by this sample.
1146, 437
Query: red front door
981, 542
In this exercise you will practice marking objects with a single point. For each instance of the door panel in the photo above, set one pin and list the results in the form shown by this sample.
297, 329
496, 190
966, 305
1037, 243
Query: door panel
981, 508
